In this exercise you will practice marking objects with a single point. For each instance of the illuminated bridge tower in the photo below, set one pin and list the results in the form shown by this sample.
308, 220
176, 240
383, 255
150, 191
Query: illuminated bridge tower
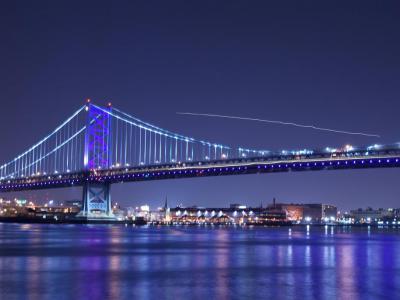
97, 154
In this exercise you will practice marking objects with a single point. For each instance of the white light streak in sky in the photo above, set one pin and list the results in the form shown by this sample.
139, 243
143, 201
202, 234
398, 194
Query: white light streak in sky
280, 123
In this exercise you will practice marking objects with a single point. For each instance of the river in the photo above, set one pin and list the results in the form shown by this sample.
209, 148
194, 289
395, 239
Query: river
39, 261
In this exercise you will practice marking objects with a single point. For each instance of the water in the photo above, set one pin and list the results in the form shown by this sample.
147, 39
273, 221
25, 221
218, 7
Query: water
117, 262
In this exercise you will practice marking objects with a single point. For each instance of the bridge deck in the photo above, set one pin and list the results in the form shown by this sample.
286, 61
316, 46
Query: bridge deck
386, 159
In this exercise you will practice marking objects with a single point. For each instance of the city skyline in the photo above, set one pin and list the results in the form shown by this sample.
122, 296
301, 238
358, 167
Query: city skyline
177, 203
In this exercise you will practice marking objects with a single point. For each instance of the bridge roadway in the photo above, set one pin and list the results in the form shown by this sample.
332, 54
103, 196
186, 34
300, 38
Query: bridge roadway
388, 158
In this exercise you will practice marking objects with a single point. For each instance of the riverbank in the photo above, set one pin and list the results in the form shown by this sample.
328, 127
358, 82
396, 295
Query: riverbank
69, 220
141, 222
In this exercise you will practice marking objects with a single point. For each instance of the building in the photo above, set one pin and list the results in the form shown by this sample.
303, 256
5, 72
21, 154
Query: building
370, 215
235, 214
294, 212
308, 213
329, 212
76, 203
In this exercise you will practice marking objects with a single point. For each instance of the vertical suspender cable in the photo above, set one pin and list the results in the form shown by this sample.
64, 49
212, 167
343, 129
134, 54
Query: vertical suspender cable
145, 148
149, 146
55, 153
126, 141
140, 145
155, 147
130, 145
67, 147
116, 141
160, 156
121, 138
187, 150
176, 149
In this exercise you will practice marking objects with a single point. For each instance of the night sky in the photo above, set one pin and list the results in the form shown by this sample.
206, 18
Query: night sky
334, 64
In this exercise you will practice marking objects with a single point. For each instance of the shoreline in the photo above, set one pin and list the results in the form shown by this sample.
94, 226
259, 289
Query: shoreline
22, 220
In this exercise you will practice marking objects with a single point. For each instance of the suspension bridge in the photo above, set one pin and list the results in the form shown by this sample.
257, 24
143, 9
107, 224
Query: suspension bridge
98, 146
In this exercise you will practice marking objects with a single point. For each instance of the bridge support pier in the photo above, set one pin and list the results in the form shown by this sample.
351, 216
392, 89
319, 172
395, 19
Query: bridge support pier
96, 202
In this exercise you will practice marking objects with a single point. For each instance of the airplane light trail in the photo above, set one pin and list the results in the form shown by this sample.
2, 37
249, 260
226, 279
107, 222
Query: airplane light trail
279, 122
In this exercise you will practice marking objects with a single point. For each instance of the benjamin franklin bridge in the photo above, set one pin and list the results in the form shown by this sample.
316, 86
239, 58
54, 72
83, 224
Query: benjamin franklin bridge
98, 146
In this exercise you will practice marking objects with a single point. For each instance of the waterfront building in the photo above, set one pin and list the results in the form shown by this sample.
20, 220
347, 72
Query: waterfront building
235, 214
77, 203
237, 206
329, 212
167, 211
268, 217
370, 215
308, 213
294, 212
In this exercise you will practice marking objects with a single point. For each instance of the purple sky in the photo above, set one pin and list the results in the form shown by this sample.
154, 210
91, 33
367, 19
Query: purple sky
334, 64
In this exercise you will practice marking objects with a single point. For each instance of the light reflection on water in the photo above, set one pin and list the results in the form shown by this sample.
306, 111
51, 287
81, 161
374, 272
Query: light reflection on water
119, 262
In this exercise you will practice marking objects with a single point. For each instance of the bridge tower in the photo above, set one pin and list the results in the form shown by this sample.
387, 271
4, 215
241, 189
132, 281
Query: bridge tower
97, 196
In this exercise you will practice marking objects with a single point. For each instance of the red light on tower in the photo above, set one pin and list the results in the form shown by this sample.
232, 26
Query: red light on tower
88, 100
109, 104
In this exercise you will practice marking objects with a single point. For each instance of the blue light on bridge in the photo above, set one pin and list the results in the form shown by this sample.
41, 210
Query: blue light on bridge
136, 150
